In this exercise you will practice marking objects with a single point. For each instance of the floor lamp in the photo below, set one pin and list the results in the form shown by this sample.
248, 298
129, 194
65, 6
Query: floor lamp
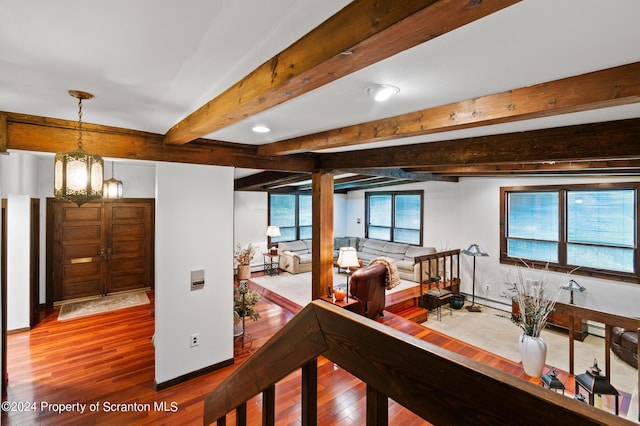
475, 251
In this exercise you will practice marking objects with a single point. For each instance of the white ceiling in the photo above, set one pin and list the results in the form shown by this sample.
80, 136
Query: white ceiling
150, 63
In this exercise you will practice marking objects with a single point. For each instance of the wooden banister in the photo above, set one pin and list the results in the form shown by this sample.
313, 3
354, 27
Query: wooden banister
440, 386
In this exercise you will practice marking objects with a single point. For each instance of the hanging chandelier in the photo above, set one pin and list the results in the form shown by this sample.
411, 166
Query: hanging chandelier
112, 187
78, 175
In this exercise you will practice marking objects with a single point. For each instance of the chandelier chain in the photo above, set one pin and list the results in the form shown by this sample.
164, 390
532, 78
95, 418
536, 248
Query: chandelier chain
80, 123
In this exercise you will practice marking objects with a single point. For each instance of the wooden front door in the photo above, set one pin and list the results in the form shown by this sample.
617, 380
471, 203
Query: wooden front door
100, 247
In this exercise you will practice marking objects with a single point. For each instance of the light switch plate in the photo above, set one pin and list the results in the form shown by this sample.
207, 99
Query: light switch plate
197, 279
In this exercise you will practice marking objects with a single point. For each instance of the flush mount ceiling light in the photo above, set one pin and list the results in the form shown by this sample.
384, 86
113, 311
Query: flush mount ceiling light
260, 129
381, 92
78, 175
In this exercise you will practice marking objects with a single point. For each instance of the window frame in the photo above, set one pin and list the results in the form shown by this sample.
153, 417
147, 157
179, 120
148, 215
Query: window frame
297, 214
563, 240
393, 195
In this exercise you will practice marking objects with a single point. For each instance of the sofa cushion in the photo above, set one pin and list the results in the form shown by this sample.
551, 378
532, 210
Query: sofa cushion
308, 244
375, 247
405, 265
415, 251
296, 247
395, 250
305, 258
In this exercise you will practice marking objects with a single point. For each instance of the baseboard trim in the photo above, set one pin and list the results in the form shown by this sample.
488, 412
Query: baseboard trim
193, 374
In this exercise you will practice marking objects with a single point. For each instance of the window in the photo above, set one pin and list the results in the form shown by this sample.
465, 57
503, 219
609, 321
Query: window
593, 227
292, 213
394, 216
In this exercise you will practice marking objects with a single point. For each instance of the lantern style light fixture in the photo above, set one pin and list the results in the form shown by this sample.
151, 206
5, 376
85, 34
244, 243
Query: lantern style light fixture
78, 175
112, 188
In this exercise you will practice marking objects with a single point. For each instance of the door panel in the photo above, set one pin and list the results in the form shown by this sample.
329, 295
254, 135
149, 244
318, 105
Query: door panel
101, 247
130, 246
79, 267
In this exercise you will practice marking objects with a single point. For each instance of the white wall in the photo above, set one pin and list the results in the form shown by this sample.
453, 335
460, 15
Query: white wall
18, 237
19, 184
194, 230
480, 223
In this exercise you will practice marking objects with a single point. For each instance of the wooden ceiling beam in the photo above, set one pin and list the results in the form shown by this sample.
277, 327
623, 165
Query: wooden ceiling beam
362, 33
408, 174
263, 180
599, 89
42, 134
604, 166
607, 140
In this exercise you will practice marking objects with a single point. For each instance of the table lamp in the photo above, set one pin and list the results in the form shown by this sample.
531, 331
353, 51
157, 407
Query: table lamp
348, 258
273, 231
475, 251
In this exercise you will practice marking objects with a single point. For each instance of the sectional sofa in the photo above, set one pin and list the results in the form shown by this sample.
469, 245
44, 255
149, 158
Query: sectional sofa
295, 256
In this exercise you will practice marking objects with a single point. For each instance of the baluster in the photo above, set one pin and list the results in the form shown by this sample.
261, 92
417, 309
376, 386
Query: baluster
241, 414
377, 408
310, 393
269, 406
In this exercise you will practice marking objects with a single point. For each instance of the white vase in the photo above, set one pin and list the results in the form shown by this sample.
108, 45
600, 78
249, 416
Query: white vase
238, 328
533, 353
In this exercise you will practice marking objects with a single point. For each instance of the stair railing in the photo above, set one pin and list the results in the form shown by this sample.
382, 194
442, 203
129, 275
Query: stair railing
440, 386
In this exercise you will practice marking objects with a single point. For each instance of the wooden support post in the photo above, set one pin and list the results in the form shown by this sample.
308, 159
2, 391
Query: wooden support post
322, 234
377, 408
310, 393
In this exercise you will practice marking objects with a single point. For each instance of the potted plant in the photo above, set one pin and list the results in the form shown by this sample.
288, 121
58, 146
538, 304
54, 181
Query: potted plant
536, 299
243, 260
244, 302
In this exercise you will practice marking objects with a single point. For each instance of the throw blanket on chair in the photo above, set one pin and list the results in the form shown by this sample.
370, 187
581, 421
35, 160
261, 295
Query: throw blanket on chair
393, 277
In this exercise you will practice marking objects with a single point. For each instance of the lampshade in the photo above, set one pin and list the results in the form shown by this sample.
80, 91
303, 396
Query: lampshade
273, 231
112, 188
474, 250
348, 257
573, 286
78, 175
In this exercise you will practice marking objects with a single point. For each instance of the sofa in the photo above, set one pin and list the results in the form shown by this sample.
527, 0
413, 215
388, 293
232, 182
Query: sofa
367, 286
624, 343
295, 256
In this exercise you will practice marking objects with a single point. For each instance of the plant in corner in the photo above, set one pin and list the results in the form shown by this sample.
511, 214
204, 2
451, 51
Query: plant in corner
244, 302
536, 299
243, 259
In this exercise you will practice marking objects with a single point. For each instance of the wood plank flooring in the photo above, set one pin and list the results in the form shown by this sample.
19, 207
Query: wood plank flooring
108, 359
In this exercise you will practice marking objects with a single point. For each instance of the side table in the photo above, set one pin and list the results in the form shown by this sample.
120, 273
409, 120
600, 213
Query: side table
271, 264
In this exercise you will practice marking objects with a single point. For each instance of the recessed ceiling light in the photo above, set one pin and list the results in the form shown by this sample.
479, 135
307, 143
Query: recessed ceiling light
261, 129
381, 92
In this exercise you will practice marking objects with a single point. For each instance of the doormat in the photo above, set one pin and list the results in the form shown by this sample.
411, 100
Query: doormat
104, 304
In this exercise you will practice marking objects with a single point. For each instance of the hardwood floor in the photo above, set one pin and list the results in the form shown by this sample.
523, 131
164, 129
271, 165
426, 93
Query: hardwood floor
108, 359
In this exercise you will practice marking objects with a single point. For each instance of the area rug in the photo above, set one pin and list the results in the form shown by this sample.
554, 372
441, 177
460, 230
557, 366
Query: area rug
493, 331
104, 304
297, 287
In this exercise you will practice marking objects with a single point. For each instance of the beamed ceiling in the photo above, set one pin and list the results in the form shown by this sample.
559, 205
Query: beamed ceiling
487, 88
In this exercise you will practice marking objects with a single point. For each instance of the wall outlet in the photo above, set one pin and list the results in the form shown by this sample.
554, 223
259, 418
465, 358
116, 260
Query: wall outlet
487, 287
195, 340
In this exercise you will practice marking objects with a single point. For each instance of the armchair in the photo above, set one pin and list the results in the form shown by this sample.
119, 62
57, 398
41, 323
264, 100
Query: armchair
367, 286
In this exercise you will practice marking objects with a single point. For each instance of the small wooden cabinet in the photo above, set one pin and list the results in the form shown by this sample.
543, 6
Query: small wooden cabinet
560, 321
